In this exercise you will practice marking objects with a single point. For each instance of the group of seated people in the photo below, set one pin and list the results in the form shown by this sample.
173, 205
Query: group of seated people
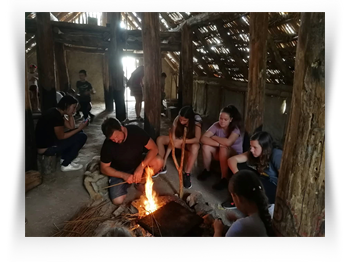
127, 150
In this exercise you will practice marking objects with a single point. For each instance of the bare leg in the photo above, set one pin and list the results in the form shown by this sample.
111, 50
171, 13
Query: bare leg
192, 156
156, 164
138, 104
208, 152
162, 141
118, 200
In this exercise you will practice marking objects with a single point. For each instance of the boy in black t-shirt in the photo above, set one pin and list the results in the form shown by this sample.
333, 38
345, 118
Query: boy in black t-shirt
85, 90
122, 156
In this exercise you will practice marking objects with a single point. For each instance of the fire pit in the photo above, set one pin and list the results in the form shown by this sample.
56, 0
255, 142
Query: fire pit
172, 220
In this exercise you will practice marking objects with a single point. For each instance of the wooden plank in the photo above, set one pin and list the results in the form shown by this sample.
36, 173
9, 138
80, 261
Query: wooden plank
257, 71
153, 69
201, 61
300, 200
45, 61
168, 19
186, 66
61, 68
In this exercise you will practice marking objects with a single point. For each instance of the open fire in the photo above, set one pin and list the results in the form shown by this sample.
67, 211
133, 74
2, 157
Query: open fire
151, 201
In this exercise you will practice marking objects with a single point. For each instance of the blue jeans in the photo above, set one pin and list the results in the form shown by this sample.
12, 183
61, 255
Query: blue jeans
68, 148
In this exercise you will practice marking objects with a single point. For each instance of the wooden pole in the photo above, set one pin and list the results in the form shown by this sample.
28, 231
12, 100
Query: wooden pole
257, 71
153, 70
116, 67
45, 61
178, 168
106, 87
300, 200
61, 68
186, 65
30, 147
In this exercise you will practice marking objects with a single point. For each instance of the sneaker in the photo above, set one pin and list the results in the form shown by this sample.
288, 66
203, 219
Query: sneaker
75, 161
222, 184
187, 180
204, 175
161, 172
71, 167
228, 205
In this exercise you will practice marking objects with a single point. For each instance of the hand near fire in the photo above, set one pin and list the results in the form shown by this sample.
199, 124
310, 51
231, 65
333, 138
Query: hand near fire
130, 179
138, 174
218, 227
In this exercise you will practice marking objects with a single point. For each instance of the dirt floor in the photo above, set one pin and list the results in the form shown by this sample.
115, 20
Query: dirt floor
61, 195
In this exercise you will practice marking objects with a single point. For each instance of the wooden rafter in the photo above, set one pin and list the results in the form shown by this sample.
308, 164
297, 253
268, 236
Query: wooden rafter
279, 61
230, 44
168, 19
134, 19
215, 55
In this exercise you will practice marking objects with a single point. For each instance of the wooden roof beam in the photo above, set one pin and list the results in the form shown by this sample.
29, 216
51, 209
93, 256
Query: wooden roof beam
288, 75
216, 56
243, 67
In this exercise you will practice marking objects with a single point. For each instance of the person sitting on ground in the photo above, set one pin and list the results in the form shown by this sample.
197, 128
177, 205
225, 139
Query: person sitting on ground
264, 158
135, 85
85, 90
221, 141
249, 195
52, 139
186, 118
122, 157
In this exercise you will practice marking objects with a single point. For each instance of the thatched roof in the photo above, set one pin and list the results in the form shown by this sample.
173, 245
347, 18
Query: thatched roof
221, 42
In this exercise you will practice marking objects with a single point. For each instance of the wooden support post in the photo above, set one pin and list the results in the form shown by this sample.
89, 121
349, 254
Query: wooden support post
61, 68
153, 70
300, 200
30, 147
116, 67
45, 61
257, 71
106, 87
186, 65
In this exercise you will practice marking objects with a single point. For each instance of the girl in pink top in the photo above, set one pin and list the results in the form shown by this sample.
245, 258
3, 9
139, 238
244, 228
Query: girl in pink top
221, 141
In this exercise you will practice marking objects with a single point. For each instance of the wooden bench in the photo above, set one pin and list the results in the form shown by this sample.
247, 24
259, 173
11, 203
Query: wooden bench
47, 165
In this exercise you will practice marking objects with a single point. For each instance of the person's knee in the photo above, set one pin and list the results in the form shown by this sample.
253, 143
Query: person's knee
195, 148
206, 148
81, 137
118, 200
157, 163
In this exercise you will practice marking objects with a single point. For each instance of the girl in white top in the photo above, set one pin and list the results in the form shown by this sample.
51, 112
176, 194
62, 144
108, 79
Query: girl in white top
186, 118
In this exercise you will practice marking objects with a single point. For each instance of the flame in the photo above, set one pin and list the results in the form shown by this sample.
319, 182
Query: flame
150, 202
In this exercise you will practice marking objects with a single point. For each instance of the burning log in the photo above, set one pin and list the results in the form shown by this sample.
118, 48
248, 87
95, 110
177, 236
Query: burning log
179, 168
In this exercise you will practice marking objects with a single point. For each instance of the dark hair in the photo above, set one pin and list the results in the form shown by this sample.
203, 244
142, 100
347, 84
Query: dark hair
247, 184
66, 101
186, 112
163, 74
236, 116
267, 144
82, 72
110, 125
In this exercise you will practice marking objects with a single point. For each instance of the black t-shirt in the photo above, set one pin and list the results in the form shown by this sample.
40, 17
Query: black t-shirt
126, 156
44, 132
82, 88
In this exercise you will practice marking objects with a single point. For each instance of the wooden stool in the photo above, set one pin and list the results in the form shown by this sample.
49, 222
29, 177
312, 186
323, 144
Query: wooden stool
47, 165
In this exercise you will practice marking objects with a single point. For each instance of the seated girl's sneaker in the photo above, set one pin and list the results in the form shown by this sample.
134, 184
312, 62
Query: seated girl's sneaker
71, 167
